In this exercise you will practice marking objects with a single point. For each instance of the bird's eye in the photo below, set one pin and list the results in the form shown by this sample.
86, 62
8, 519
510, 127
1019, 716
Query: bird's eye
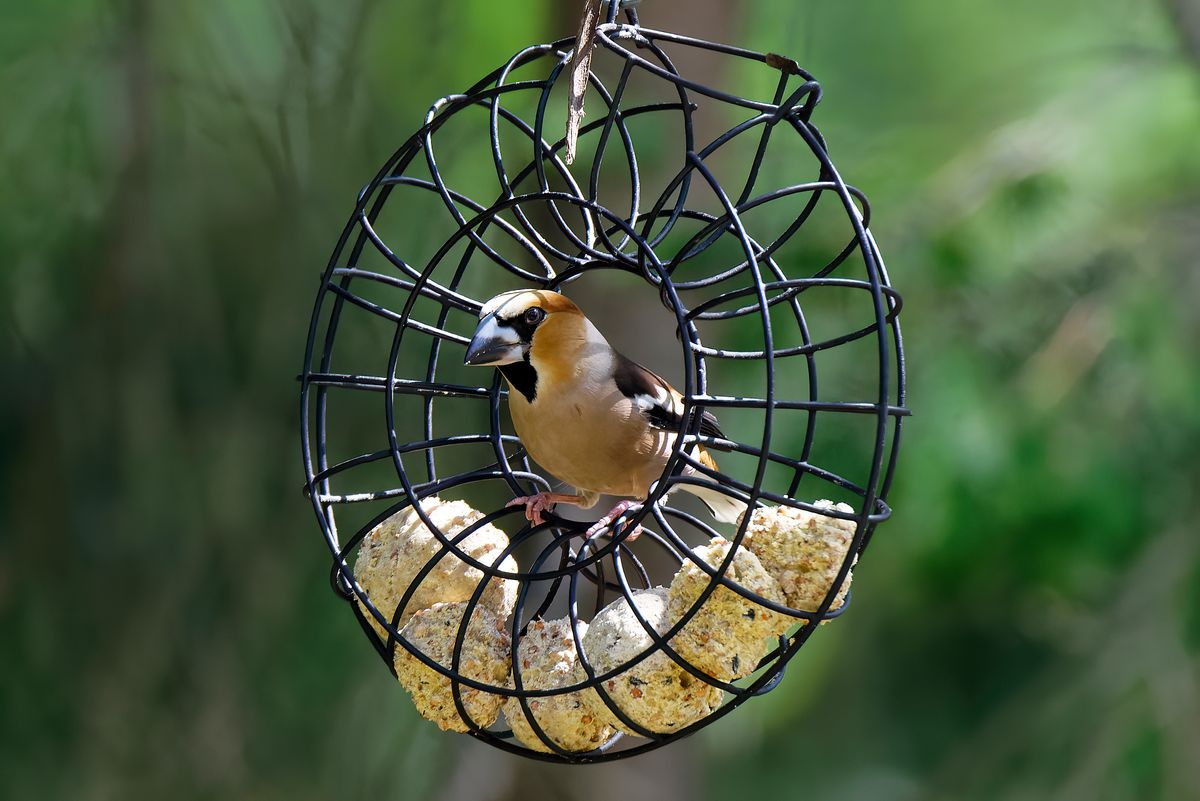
534, 315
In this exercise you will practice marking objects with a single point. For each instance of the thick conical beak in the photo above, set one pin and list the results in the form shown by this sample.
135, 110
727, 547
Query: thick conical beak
494, 344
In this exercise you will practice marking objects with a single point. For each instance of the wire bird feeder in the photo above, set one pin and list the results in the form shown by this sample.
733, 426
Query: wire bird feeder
545, 224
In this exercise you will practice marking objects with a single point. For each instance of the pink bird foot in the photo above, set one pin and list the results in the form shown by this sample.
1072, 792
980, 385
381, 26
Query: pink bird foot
621, 508
542, 502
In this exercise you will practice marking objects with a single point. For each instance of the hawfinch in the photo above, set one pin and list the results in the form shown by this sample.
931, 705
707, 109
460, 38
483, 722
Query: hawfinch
591, 417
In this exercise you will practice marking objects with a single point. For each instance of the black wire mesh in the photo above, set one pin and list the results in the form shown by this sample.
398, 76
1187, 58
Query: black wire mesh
547, 227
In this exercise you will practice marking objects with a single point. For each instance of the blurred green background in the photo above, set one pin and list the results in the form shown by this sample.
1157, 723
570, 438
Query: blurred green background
172, 178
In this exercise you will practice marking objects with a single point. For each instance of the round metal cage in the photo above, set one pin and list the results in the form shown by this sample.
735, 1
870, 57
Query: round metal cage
684, 237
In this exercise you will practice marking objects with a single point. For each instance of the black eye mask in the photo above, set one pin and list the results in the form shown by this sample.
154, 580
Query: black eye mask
522, 326
521, 375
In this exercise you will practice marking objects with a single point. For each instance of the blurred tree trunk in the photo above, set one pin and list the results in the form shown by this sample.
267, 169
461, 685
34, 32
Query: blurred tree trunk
671, 773
484, 773
1185, 14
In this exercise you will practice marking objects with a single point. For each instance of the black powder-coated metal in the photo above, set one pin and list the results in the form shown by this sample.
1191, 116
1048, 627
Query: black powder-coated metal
609, 240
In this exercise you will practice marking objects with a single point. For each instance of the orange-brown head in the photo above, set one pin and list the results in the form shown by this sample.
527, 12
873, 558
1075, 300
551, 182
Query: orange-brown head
530, 333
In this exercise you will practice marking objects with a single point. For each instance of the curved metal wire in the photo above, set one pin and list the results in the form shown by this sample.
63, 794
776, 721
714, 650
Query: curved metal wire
548, 227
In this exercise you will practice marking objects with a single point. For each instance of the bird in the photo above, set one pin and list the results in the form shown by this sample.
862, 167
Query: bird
593, 418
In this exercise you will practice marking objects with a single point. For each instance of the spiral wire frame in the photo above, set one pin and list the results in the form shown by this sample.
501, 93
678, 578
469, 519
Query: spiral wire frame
601, 238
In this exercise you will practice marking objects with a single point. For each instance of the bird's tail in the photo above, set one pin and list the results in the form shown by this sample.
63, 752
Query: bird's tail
722, 506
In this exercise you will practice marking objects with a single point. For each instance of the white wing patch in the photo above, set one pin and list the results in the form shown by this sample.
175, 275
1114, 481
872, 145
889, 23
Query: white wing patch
660, 408
646, 404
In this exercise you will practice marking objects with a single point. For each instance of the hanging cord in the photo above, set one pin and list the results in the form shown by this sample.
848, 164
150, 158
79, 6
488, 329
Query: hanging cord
627, 6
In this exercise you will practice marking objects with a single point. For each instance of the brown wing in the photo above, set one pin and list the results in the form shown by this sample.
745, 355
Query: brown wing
656, 399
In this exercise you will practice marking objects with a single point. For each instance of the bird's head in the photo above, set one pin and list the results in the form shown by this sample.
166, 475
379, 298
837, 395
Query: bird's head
520, 325
533, 336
